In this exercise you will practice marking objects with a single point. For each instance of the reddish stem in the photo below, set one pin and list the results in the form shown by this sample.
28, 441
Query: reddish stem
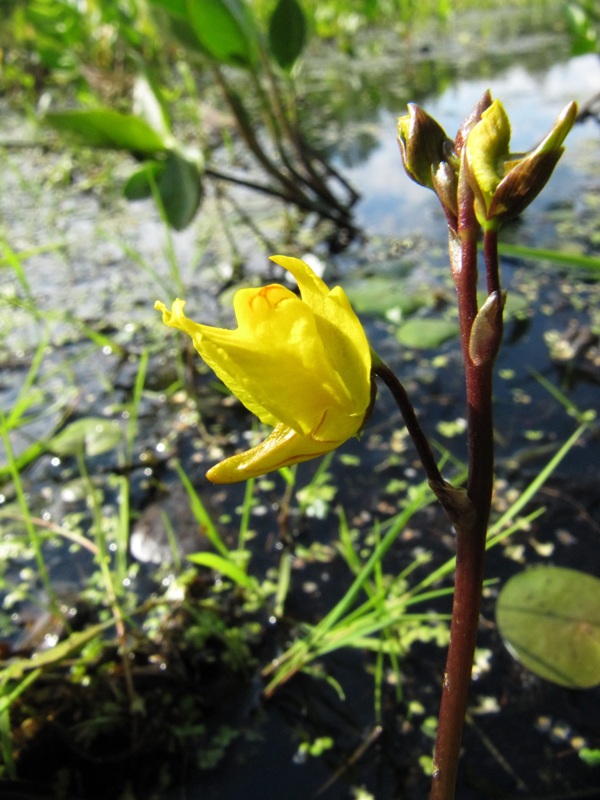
471, 531
380, 369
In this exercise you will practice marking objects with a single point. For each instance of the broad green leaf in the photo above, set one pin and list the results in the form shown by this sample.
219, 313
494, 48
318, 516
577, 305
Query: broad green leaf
226, 30
103, 127
91, 435
139, 184
549, 618
426, 332
287, 33
180, 189
175, 7
178, 23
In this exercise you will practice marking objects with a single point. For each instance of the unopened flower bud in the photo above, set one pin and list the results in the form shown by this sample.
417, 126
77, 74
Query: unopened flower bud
486, 333
424, 145
504, 184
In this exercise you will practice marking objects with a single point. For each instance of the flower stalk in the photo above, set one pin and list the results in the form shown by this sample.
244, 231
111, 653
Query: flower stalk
480, 184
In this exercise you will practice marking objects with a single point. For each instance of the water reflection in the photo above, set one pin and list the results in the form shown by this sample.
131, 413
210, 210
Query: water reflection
393, 205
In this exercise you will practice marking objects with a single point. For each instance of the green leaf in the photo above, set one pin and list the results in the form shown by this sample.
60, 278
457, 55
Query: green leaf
287, 33
103, 127
139, 184
226, 30
426, 332
575, 260
15, 669
379, 295
225, 567
549, 618
148, 105
91, 435
180, 189
177, 22
176, 7
590, 756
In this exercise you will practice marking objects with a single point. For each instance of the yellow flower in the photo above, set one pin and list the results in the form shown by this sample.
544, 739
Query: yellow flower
303, 366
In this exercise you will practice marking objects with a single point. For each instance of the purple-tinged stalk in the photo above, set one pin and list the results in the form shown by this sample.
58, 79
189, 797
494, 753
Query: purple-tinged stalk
480, 185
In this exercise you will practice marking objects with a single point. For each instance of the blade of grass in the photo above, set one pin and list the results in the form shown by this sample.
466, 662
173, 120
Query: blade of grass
301, 652
122, 532
134, 407
226, 567
31, 529
541, 478
565, 402
508, 522
14, 260
172, 540
555, 257
201, 514
58, 654
245, 516
284, 575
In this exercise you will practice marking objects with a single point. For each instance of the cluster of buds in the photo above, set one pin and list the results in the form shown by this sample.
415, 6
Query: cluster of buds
502, 183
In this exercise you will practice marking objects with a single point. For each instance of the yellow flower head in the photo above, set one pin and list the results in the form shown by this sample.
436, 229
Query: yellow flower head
302, 365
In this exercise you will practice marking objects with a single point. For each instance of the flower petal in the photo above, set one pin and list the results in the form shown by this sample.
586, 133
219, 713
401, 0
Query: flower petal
487, 148
281, 449
343, 336
274, 362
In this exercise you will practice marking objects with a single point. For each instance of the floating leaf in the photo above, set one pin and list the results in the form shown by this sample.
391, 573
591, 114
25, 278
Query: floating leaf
287, 33
549, 618
426, 332
590, 756
90, 435
103, 127
378, 295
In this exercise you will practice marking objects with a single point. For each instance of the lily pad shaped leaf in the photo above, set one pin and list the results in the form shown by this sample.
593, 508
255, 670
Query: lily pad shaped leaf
549, 619
378, 295
89, 435
426, 332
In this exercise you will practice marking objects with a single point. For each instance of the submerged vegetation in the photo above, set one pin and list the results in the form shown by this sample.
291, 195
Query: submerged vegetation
160, 634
